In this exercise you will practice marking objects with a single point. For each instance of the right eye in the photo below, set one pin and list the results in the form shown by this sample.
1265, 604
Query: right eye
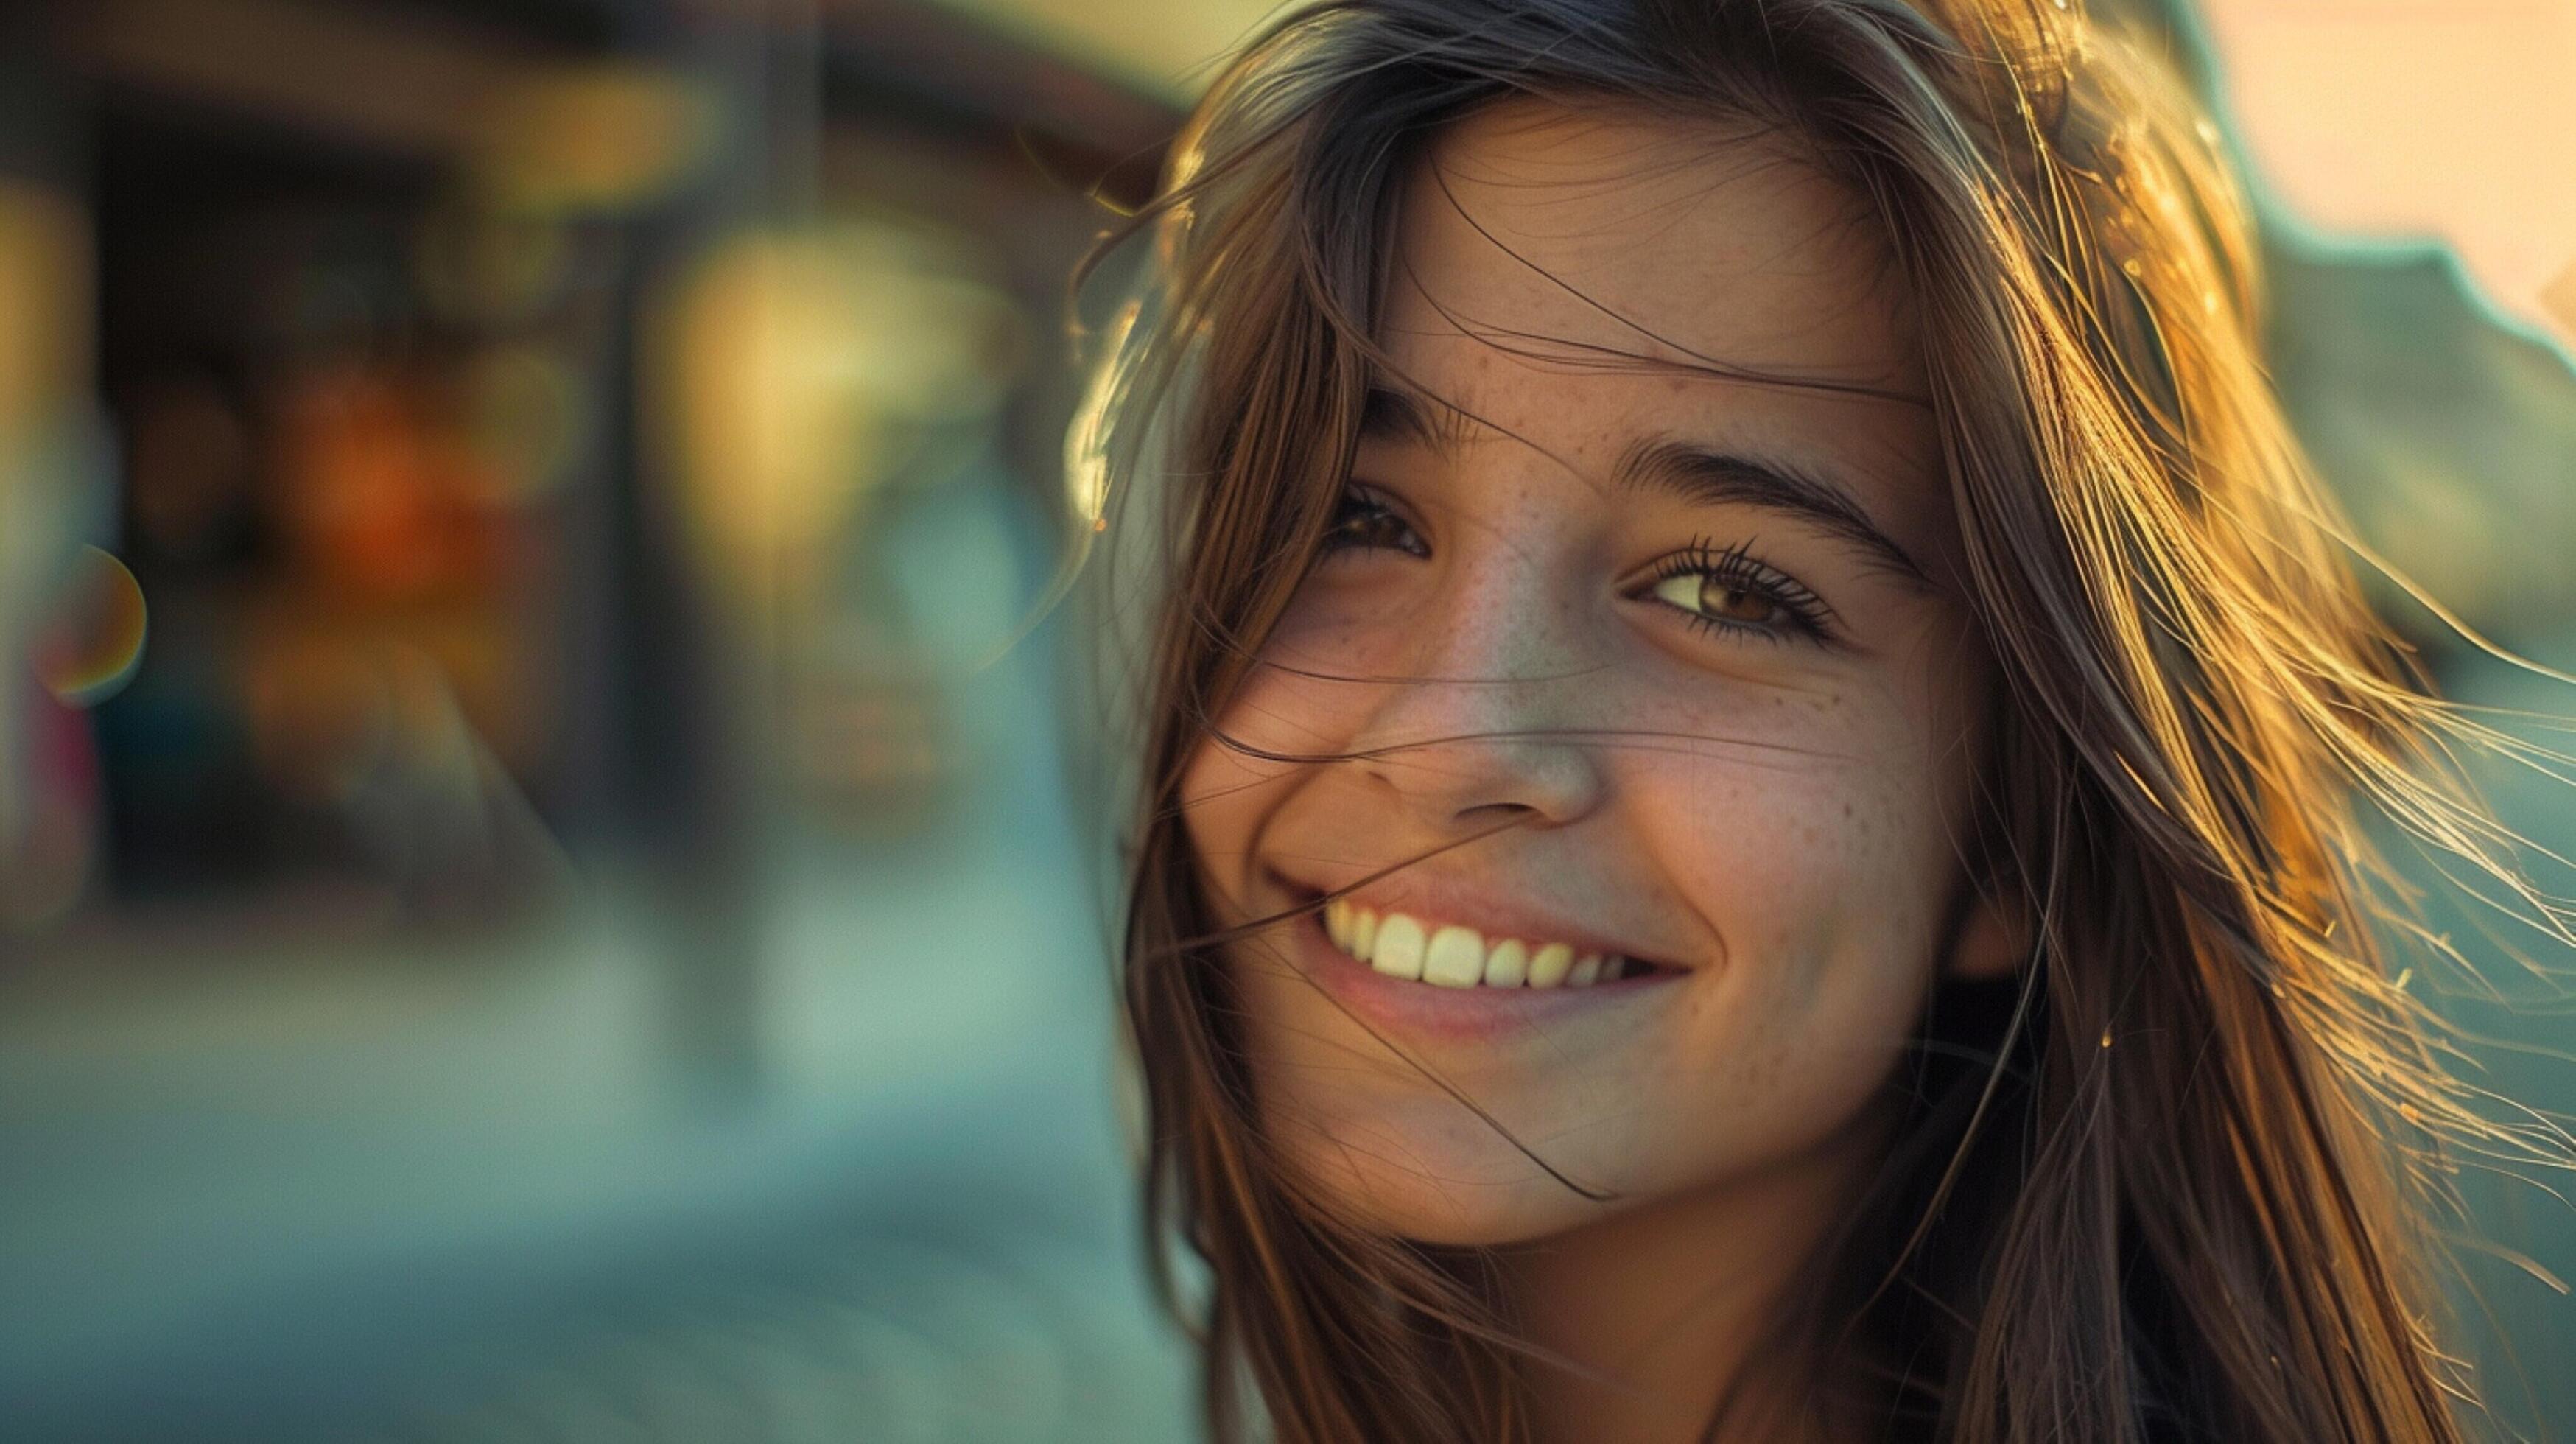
1363, 519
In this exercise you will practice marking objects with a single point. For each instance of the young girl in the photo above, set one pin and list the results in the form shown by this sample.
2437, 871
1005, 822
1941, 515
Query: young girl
1758, 751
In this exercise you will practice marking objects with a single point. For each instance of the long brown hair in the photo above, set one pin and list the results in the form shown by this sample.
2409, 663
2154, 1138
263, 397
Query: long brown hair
2173, 1181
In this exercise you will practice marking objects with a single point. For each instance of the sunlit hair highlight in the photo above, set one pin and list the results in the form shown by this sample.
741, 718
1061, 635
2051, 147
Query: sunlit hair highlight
2183, 1185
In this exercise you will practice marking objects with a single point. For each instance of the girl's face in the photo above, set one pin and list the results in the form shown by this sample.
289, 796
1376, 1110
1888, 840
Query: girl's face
1653, 690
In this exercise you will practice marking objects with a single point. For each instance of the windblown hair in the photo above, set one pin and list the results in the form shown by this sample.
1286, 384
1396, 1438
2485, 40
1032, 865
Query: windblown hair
2175, 1180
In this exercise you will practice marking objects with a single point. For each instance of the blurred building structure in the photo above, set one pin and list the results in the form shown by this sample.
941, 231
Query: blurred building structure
571, 926
540, 887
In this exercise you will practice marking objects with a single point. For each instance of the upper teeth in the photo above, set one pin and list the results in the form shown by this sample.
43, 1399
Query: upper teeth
1403, 946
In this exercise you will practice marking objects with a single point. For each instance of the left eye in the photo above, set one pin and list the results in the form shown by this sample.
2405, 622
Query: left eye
1735, 592
1716, 598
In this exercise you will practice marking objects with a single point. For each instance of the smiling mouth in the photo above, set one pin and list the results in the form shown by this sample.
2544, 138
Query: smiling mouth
1451, 955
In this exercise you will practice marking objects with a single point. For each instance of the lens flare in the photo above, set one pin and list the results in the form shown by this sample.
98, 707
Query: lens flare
95, 641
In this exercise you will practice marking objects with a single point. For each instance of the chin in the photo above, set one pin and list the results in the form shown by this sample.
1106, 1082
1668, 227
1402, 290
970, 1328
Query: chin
1486, 1197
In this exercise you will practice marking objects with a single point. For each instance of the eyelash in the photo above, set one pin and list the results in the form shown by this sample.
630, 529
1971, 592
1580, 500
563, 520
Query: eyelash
1371, 508
1736, 569
1733, 567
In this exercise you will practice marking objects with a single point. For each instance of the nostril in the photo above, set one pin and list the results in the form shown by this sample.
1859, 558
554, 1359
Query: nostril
1479, 778
1501, 815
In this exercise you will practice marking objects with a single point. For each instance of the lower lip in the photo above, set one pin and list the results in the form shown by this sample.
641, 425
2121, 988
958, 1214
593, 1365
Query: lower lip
1418, 1009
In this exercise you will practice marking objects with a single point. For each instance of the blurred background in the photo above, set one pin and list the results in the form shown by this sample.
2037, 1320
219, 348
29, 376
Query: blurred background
549, 886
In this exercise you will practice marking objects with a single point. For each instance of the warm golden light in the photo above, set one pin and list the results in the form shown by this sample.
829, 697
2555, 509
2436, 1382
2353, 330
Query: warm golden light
2407, 118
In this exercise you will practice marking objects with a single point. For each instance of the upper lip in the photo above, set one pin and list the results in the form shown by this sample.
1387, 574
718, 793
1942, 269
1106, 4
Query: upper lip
1491, 910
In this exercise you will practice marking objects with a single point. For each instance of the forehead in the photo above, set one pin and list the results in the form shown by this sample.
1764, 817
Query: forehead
1544, 251
1572, 241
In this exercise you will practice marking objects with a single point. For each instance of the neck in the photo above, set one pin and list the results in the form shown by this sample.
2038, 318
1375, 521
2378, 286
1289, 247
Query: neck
1667, 1305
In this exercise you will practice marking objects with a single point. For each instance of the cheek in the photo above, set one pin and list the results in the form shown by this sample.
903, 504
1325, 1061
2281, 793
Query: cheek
1806, 802
1305, 699
1225, 791
1239, 774
1821, 873
1813, 861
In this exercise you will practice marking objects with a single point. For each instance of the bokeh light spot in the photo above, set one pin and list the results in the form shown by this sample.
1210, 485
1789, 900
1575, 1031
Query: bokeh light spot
95, 641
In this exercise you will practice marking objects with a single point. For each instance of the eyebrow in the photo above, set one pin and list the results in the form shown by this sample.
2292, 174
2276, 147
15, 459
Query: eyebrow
1687, 472
1703, 477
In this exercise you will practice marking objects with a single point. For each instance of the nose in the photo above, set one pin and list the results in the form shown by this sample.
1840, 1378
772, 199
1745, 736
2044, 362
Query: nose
1489, 722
